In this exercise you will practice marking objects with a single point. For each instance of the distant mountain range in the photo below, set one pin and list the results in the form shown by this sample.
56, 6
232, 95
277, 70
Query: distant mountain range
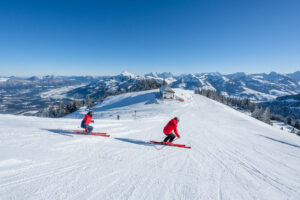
258, 87
23, 95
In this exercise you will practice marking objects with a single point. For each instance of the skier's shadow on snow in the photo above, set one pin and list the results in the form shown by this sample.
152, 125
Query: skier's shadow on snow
139, 142
61, 132
293, 145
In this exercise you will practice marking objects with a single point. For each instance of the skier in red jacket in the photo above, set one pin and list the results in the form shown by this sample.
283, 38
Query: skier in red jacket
169, 128
85, 122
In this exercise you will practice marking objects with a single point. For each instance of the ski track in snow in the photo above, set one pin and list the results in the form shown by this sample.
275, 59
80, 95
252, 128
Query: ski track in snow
233, 156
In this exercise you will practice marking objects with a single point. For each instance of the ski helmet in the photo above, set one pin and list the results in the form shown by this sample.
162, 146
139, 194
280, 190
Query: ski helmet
90, 113
177, 119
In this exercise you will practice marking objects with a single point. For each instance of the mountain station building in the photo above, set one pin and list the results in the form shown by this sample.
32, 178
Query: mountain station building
166, 92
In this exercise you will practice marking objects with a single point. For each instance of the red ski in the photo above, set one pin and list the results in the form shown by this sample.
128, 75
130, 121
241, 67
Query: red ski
171, 144
93, 133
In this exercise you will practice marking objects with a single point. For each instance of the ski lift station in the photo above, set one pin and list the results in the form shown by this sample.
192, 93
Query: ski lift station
166, 92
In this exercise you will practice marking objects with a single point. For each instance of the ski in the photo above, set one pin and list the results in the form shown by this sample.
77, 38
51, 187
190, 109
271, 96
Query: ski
171, 144
93, 133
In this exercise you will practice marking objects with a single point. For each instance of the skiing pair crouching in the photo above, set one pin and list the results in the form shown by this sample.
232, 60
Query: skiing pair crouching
86, 121
169, 128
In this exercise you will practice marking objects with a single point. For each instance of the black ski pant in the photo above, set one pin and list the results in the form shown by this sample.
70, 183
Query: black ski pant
170, 137
87, 127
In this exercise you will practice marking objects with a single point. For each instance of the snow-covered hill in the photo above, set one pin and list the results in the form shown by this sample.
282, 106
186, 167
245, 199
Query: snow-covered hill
233, 156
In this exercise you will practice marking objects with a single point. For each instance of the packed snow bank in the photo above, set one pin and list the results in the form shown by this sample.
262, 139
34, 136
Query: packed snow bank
233, 156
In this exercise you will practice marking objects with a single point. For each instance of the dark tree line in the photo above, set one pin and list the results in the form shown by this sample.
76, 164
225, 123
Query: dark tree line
242, 103
284, 108
62, 108
239, 103
257, 111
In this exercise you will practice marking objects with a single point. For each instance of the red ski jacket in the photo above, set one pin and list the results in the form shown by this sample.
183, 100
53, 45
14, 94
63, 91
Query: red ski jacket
87, 119
171, 126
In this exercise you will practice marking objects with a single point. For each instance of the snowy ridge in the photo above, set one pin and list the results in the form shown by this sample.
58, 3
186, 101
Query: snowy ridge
233, 156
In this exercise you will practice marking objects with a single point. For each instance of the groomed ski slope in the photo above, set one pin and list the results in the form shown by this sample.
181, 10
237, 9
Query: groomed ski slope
233, 156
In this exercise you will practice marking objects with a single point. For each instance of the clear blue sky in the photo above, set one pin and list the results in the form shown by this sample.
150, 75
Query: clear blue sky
107, 37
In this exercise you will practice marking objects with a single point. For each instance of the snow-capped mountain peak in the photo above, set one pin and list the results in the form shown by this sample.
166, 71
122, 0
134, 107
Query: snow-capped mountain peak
163, 75
127, 74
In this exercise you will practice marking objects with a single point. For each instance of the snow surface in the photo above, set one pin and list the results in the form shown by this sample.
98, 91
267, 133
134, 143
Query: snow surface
233, 156
259, 95
3, 79
285, 127
59, 93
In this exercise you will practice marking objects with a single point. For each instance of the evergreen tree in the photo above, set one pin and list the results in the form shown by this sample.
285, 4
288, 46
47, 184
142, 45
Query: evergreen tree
252, 107
69, 108
77, 104
257, 113
164, 82
52, 111
297, 124
267, 116
260, 114
61, 109
289, 120
88, 102
224, 100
